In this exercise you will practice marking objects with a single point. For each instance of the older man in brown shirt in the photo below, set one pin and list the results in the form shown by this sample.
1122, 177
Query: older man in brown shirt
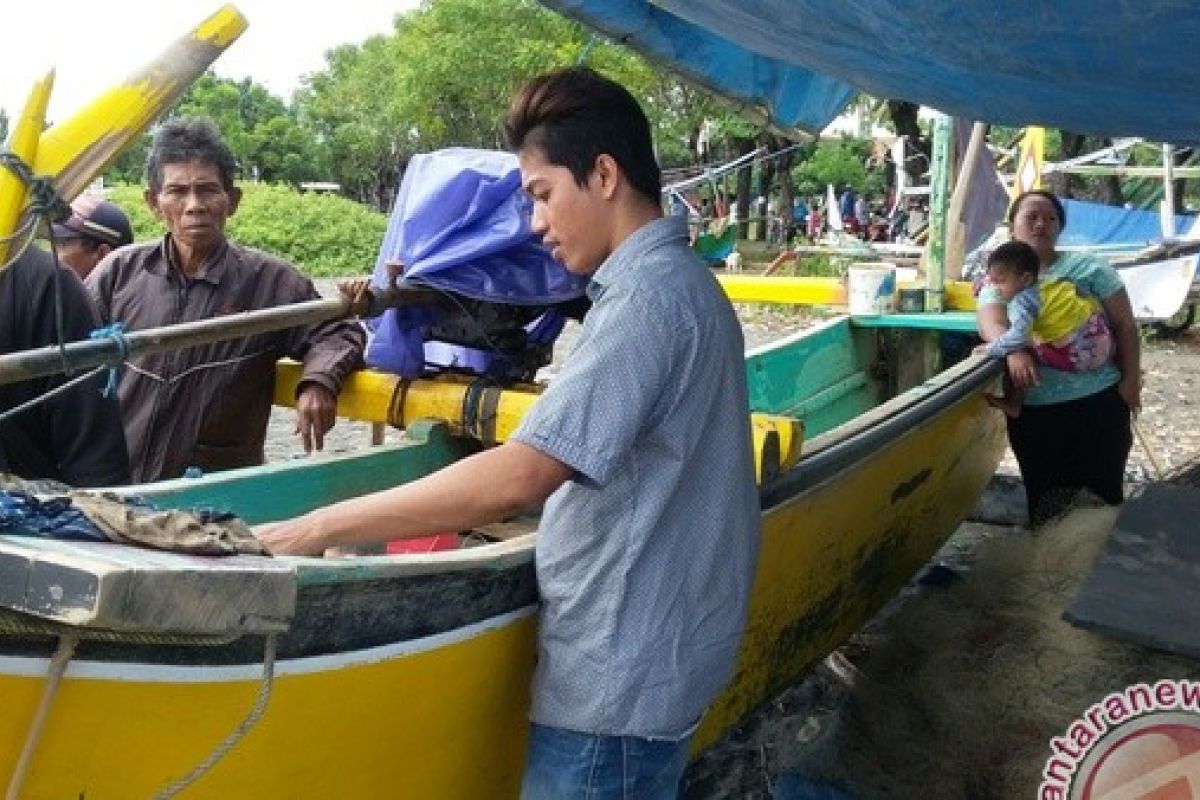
207, 406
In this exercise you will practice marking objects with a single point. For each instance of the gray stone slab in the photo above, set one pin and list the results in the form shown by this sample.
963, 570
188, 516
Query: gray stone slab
110, 586
1145, 585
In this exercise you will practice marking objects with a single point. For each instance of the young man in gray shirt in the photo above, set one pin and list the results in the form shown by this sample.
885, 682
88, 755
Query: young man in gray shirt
640, 448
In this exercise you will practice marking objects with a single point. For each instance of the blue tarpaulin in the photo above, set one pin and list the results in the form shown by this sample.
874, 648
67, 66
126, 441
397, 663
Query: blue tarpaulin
1096, 224
461, 224
1109, 69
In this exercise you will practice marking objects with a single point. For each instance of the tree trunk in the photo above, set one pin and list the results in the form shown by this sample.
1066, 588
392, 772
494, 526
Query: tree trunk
904, 119
743, 146
787, 192
1061, 183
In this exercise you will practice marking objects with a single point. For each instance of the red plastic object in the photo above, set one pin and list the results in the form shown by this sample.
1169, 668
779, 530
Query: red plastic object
424, 544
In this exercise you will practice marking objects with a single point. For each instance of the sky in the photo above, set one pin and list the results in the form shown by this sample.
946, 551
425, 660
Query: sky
95, 43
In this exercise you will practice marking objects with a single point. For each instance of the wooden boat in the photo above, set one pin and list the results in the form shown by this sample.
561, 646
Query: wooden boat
411, 672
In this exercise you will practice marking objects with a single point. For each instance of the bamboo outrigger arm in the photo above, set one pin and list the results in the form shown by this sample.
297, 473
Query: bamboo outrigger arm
112, 350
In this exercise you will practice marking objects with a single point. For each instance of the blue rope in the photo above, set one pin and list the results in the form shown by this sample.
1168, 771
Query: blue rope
116, 332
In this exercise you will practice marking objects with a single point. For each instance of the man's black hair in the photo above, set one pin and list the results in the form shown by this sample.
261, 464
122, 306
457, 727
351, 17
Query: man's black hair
575, 115
179, 141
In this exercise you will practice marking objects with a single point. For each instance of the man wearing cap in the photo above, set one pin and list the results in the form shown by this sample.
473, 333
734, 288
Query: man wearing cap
207, 405
95, 228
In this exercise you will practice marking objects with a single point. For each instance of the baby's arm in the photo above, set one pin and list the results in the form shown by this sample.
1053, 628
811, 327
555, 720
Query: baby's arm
1022, 311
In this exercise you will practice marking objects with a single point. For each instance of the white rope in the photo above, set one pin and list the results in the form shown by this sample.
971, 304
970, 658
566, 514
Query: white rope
229, 362
58, 665
256, 712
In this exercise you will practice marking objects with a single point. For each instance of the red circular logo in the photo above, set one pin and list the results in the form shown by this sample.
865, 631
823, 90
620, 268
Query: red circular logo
1156, 757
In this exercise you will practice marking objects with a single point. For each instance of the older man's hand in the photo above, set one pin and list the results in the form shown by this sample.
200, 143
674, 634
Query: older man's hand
316, 411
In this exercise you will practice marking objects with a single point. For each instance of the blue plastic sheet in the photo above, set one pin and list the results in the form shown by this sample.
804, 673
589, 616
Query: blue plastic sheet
1095, 224
461, 224
1109, 69
22, 514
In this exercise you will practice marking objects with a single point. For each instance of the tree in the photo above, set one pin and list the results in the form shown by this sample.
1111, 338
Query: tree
445, 77
838, 163
268, 141
261, 130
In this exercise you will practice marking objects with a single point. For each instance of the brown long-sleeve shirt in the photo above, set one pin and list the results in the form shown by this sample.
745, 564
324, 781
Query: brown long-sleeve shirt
207, 405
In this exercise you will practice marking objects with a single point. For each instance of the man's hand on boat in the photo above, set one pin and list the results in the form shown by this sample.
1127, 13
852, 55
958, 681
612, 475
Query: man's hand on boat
364, 299
489, 486
316, 411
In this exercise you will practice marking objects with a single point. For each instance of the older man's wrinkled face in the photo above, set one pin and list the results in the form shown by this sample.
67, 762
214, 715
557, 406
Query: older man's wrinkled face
572, 220
193, 204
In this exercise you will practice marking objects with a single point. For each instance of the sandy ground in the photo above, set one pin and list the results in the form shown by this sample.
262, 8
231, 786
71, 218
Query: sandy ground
868, 719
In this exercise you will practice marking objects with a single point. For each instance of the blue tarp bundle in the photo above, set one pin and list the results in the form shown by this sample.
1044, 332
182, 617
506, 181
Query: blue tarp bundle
1094, 224
461, 224
23, 514
1108, 69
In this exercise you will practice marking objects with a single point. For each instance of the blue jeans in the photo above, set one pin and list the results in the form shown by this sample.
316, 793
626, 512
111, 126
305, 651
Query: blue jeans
565, 765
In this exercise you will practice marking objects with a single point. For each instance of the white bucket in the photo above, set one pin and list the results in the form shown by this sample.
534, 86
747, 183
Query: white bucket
871, 288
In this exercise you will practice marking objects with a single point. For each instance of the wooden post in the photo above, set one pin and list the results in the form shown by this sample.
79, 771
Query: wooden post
1167, 215
956, 231
939, 187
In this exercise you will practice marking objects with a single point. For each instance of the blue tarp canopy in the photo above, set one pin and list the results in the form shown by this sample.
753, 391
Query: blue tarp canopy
1097, 224
1106, 69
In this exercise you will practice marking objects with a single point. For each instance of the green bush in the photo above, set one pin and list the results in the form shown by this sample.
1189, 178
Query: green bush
323, 235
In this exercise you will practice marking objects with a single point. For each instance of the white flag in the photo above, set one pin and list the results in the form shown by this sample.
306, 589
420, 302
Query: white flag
833, 214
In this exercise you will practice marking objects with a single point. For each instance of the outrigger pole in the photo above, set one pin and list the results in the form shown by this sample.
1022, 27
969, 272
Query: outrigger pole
114, 349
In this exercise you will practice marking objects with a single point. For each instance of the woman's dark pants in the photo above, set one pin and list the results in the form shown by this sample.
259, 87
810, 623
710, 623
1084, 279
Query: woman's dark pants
1065, 447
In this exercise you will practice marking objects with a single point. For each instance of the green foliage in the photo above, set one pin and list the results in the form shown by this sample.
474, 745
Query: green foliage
265, 135
445, 77
839, 163
322, 235
130, 166
129, 198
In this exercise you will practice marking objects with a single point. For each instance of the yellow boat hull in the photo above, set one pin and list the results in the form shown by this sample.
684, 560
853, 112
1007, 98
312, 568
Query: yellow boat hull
444, 717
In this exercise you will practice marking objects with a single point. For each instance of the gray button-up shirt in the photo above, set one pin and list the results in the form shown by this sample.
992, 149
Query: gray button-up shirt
646, 556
